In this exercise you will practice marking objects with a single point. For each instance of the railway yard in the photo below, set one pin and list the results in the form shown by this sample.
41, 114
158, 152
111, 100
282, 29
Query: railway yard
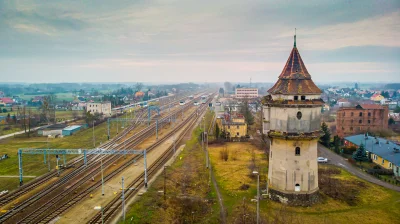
72, 196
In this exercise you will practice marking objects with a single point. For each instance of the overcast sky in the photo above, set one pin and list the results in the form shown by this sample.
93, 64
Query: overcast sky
197, 40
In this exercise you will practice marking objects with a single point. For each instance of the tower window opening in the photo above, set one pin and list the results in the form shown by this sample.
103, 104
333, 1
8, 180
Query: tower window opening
297, 151
303, 97
299, 115
297, 187
296, 97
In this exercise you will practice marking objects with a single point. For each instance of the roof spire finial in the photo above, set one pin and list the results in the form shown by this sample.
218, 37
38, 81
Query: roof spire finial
294, 37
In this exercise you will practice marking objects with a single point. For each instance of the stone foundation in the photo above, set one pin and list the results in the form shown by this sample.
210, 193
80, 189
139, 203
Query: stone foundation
294, 199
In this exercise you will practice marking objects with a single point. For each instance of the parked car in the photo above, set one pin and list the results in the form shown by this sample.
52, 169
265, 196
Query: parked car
322, 160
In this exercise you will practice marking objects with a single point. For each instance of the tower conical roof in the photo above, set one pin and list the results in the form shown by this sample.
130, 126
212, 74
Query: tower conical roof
294, 78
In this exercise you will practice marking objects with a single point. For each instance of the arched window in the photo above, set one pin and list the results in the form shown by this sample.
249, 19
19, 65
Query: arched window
297, 187
296, 97
299, 115
297, 151
303, 97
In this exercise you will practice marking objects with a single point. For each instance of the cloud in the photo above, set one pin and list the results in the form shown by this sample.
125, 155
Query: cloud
377, 31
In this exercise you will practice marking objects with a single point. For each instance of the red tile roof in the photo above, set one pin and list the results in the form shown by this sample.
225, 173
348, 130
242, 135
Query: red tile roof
7, 100
295, 78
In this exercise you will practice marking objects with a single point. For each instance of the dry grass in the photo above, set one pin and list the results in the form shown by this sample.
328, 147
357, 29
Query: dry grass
234, 172
373, 204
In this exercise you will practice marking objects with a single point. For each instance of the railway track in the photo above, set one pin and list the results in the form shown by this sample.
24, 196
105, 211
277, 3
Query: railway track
111, 208
44, 194
44, 178
76, 198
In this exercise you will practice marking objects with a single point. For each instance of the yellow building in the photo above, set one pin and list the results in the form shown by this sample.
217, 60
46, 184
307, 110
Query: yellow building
377, 97
233, 127
382, 152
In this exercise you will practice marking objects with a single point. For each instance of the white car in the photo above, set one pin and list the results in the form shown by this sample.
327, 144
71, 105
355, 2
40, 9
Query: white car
196, 103
322, 160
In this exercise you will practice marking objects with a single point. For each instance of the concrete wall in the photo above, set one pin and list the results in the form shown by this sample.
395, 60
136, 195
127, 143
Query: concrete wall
285, 119
101, 108
234, 129
291, 97
50, 132
286, 169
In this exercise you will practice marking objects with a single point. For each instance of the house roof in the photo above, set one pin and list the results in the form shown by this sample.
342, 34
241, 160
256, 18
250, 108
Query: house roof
384, 148
7, 100
371, 106
343, 100
71, 128
376, 95
294, 78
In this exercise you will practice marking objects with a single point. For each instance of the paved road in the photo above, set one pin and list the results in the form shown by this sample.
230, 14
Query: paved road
337, 160
32, 129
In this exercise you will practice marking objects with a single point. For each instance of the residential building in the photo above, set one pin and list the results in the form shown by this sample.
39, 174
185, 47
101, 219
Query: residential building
7, 101
78, 107
383, 152
103, 108
377, 97
343, 102
395, 117
234, 126
2, 94
361, 118
292, 119
246, 93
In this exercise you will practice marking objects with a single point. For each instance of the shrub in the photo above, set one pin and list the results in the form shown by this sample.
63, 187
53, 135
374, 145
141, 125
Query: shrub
380, 172
244, 187
224, 154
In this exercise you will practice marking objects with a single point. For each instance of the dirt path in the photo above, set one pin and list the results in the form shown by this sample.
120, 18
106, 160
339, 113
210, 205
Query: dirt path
337, 160
220, 200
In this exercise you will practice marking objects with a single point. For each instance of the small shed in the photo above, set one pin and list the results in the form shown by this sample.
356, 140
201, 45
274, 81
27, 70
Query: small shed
55, 129
71, 130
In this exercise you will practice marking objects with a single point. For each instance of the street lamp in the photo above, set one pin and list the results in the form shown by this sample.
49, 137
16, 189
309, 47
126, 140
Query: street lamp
258, 195
102, 212
94, 140
102, 178
48, 154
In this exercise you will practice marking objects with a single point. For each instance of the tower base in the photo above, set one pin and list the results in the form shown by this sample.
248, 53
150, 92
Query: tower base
299, 199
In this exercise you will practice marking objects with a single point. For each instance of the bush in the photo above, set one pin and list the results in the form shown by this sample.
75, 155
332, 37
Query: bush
224, 154
244, 187
380, 172
349, 151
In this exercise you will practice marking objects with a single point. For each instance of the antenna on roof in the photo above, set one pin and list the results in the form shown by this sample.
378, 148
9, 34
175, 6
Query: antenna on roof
294, 37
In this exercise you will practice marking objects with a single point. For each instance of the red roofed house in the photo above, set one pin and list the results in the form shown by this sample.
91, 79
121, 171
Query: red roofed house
361, 118
7, 101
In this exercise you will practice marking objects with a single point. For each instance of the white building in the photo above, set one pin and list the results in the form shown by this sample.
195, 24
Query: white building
246, 93
101, 108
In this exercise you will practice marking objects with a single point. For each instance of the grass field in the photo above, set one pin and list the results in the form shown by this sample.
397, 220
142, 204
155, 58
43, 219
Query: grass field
189, 197
33, 164
374, 204
59, 96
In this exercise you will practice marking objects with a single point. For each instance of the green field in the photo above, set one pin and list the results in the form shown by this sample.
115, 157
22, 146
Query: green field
59, 96
32, 164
